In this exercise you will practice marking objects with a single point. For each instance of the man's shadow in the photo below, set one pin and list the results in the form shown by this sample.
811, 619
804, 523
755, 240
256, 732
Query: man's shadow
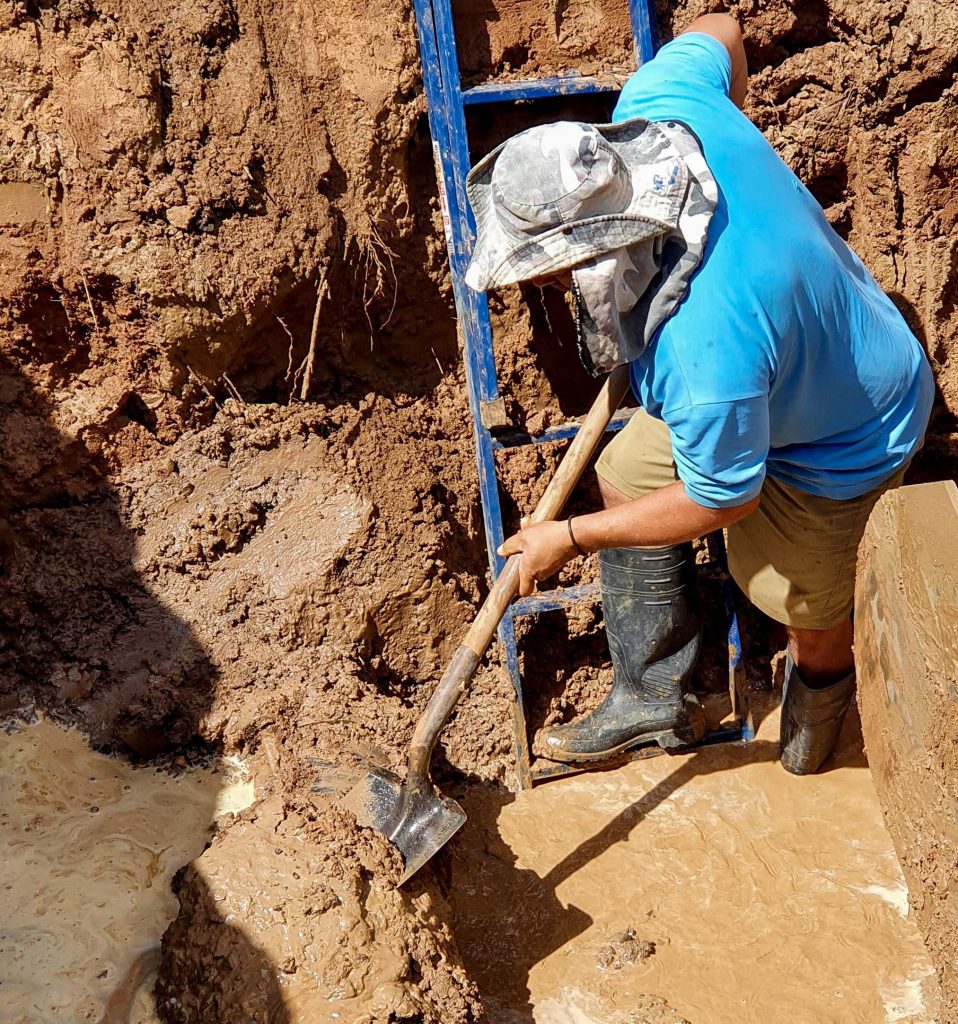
507, 918
81, 636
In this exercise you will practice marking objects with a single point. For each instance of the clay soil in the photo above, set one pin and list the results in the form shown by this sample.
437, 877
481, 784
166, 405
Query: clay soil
238, 505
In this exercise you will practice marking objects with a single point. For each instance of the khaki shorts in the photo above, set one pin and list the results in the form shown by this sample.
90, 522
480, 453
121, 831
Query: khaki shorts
794, 556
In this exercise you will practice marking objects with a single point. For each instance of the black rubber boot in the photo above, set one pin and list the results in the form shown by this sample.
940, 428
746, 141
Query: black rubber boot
811, 720
654, 639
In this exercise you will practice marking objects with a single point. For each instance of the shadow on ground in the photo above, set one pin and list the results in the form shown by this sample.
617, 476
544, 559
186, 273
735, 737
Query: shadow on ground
81, 635
507, 918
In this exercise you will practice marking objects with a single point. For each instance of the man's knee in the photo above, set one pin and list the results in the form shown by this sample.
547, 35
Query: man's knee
822, 639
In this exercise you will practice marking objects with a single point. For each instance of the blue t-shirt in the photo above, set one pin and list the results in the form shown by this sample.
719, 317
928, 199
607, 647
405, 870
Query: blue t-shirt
785, 357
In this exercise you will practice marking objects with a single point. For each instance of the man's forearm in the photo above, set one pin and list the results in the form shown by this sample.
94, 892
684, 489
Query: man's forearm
666, 516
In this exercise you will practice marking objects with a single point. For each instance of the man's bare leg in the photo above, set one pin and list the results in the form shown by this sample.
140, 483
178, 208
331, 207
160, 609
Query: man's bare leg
611, 496
822, 656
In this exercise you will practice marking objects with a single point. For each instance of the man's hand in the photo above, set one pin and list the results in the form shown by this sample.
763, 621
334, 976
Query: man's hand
545, 548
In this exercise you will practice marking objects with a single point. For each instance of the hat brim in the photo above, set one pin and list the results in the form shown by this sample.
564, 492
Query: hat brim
659, 185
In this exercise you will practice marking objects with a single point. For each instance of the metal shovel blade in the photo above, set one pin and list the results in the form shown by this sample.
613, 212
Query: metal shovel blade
417, 823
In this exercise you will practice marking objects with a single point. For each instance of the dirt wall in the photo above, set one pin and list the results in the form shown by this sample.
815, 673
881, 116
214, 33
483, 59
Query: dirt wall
906, 650
189, 201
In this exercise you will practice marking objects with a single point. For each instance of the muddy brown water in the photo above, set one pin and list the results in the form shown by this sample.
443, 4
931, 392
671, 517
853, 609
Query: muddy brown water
765, 897
88, 846
705, 888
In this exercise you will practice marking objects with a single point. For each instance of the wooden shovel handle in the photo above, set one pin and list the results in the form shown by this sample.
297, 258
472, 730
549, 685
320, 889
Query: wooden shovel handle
550, 504
466, 659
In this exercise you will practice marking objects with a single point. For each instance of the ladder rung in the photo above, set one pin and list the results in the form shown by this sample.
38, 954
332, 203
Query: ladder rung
556, 600
540, 88
560, 433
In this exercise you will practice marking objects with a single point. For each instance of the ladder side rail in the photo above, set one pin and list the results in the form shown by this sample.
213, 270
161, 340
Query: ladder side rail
447, 126
646, 38
738, 695
476, 333
644, 31
464, 227
480, 360
520, 739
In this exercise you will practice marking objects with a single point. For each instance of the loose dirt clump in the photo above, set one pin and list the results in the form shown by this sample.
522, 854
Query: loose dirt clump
506, 38
624, 949
293, 916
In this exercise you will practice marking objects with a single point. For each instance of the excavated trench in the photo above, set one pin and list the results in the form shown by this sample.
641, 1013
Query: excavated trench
239, 517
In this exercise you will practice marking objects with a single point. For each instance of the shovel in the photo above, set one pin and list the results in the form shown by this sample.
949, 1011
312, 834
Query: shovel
412, 815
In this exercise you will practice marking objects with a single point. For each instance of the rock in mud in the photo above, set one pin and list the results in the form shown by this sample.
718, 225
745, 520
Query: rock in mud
294, 918
626, 948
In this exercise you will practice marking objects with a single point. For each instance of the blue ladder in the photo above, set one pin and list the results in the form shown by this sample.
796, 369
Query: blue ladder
447, 101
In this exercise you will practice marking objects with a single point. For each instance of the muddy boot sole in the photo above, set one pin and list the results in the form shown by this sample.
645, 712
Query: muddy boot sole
672, 741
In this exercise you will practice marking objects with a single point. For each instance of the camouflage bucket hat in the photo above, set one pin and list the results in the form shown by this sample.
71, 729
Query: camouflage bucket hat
558, 194
623, 297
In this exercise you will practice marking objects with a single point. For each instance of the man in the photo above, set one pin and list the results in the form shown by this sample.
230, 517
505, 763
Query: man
782, 391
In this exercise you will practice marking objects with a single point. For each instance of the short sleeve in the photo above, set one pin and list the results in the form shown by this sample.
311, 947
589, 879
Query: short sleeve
720, 450
683, 68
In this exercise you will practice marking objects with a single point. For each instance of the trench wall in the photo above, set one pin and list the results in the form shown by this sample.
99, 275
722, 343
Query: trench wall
195, 197
906, 651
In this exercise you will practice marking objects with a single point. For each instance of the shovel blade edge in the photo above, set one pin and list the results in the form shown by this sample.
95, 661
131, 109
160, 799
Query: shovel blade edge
417, 824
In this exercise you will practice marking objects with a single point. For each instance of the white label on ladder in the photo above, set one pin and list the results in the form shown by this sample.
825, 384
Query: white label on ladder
443, 201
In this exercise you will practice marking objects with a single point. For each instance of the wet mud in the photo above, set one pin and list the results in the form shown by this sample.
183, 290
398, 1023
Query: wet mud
709, 886
713, 883
294, 916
